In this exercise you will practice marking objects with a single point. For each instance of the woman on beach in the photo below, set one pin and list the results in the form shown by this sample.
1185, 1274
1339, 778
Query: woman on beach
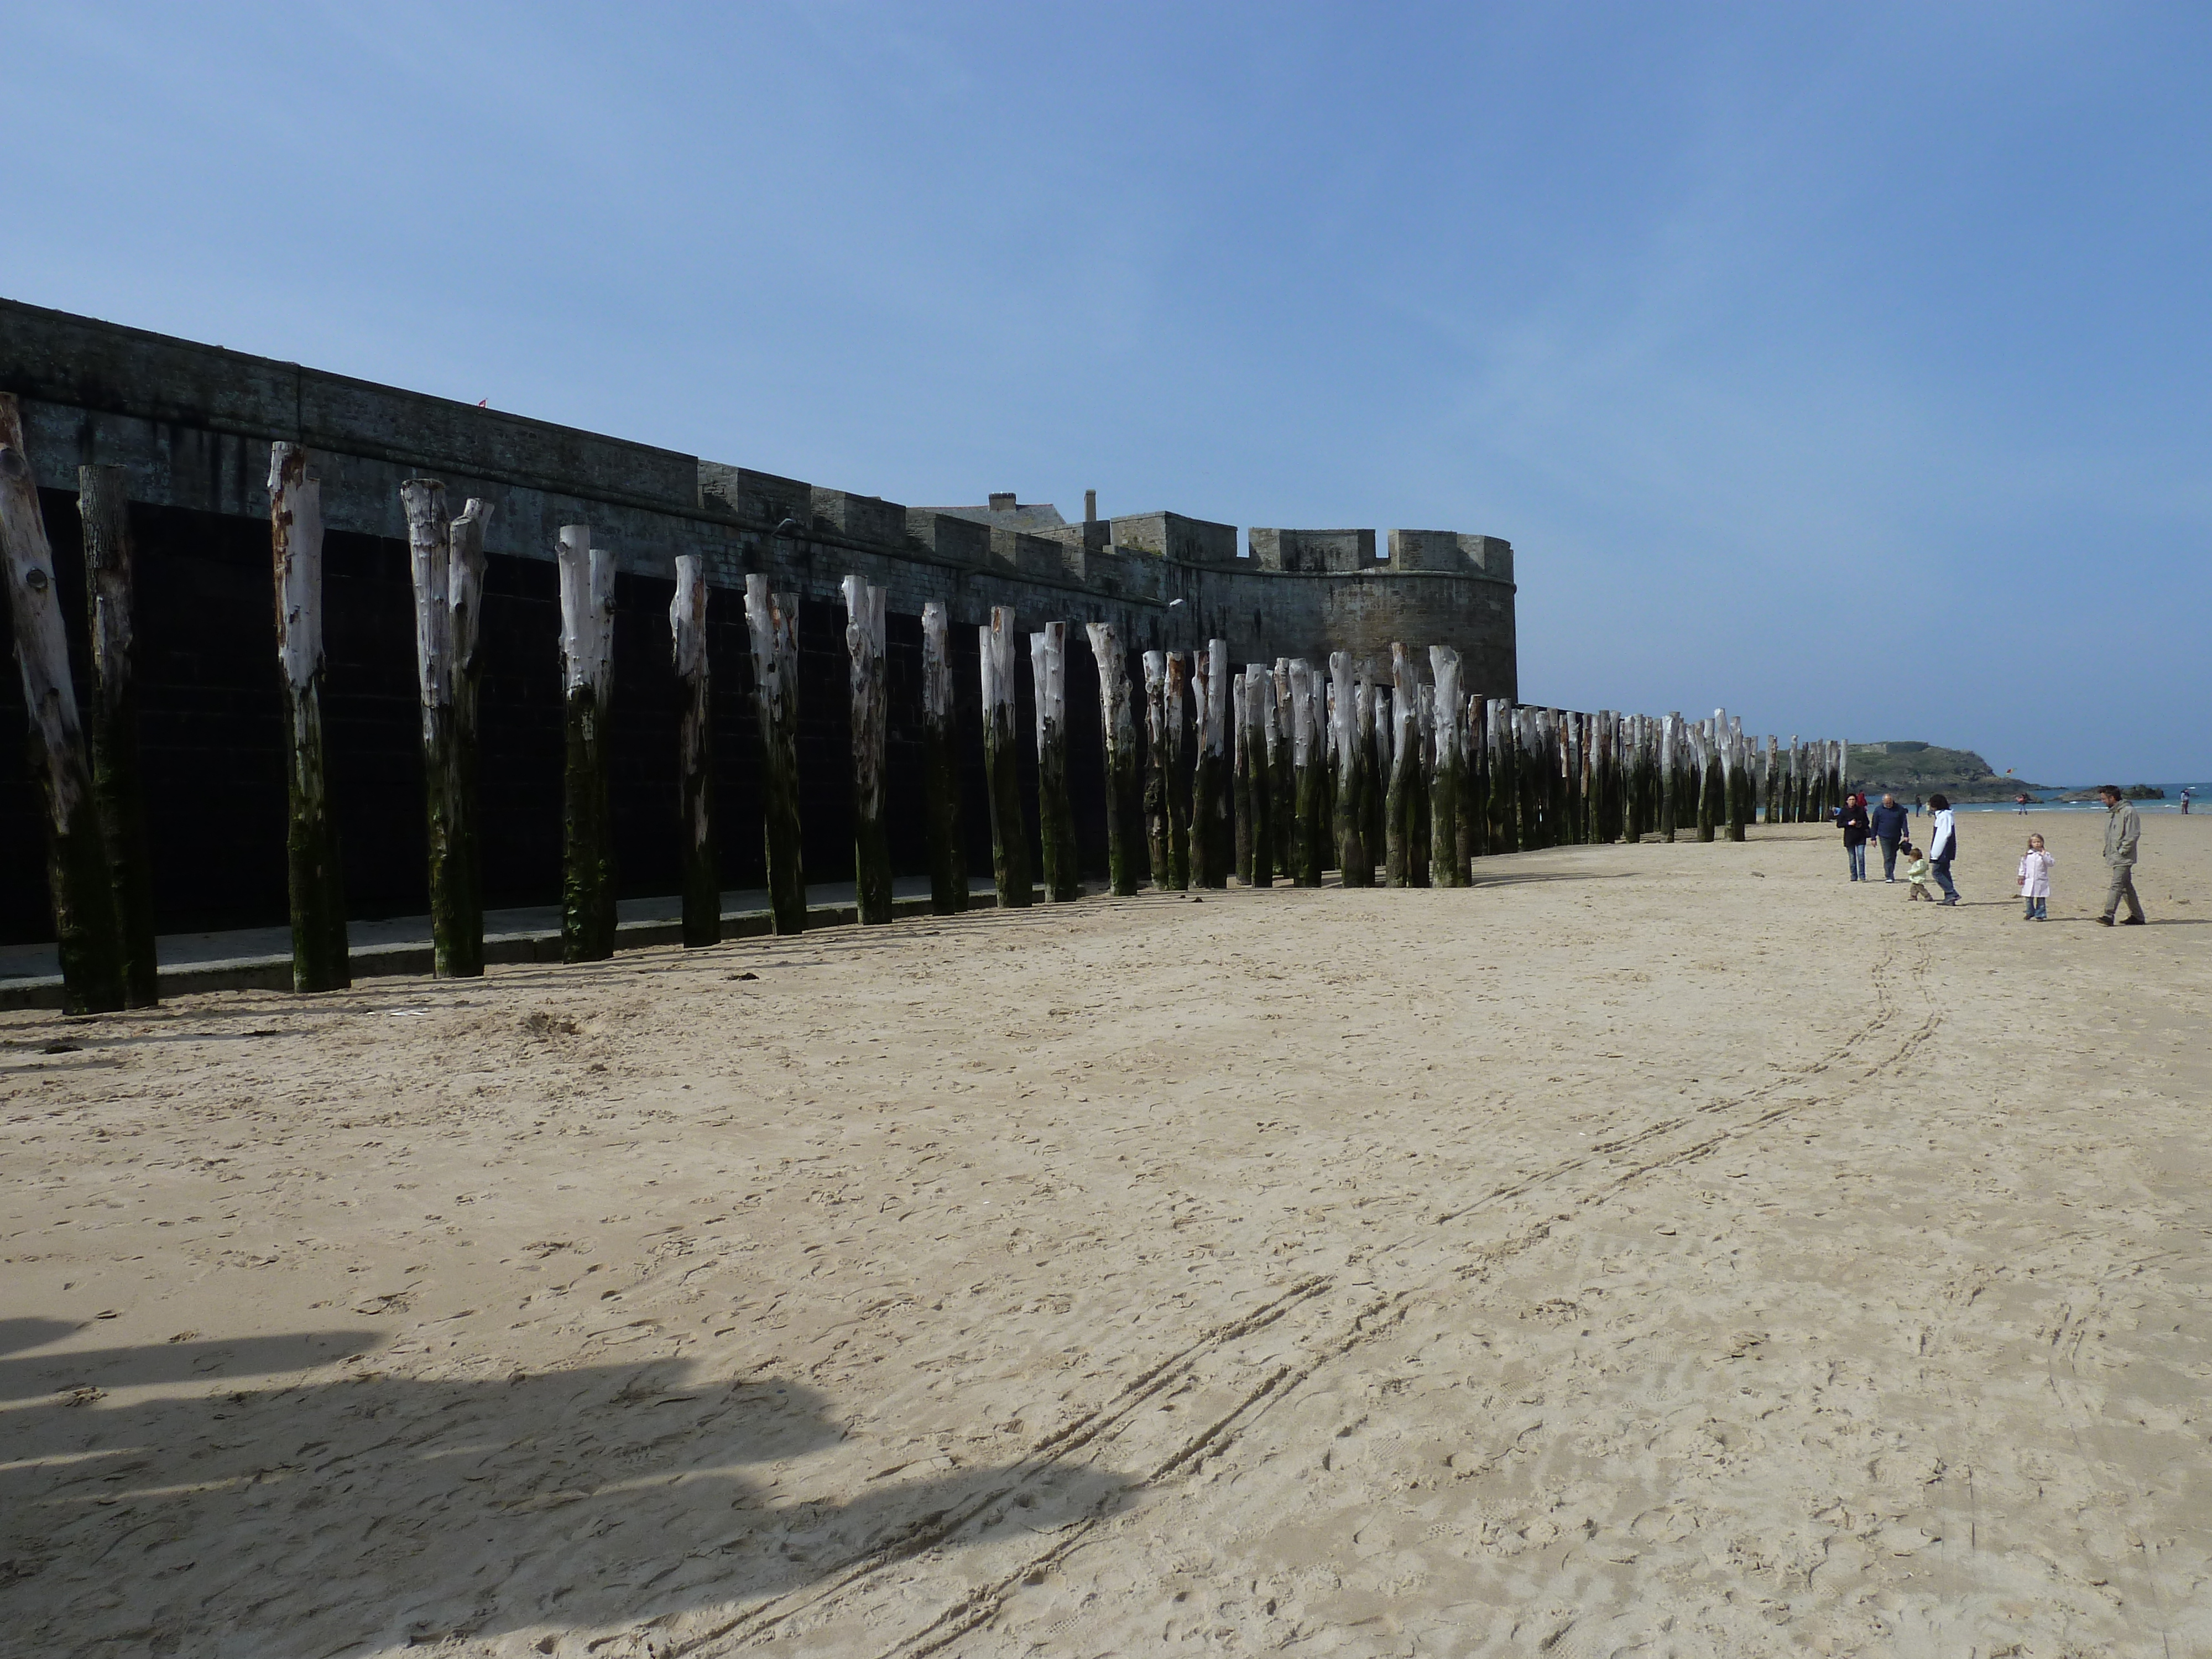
1943, 845
1857, 829
2035, 880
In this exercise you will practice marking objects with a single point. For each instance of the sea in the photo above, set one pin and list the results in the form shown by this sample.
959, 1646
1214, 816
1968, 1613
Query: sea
2047, 800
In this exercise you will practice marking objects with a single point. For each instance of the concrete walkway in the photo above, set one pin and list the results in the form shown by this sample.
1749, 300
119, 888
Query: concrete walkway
260, 958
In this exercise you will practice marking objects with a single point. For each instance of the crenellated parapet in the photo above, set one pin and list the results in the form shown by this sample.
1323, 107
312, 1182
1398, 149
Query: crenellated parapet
190, 425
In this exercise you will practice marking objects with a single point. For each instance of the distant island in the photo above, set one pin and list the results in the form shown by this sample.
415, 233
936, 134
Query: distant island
1907, 769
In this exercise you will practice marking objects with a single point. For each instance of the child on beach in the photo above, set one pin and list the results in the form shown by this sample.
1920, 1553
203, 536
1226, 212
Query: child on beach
1916, 873
2035, 880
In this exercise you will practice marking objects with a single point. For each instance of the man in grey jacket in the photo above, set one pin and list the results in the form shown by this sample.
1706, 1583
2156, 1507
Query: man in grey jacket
2123, 829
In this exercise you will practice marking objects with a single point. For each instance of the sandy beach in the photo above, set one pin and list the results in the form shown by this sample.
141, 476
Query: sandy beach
1664, 1249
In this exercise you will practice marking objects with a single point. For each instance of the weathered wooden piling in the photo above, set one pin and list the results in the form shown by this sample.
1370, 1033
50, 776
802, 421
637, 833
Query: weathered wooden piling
1739, 781
866, 672
1282, 791
1180, 778
1119, 720
694, 756
103, 505
1375, 767
464, 539
78, 879
1500, 804
1470, 717
320, 961
941, 768
1306, 832
587, 884
1771, 781
1240, 775
429, 559
1156, 766
1405, 767
1671, 780
1424, 743
1211, 843
1009, 841
1356, 868
772, 626
1259, 706
1063, 875
1447, 779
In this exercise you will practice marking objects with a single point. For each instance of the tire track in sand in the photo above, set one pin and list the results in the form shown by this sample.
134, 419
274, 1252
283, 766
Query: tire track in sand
1264, 1379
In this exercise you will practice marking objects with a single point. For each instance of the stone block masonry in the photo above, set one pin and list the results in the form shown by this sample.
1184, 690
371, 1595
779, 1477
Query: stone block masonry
190, 425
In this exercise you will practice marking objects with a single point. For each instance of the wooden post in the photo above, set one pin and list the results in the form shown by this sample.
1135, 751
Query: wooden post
1179, 780
1055, 813
1375, 757
1527, 741
78, 877
772, 625
1306, 833
103, 505
941, 768
1156, 766
1009, 841
1670, 802
1352, 863
694, 756
1242, 777
465, 540
587, 638
864, 653
1471, 838
1210, 829
1740, 785
1118, 719
429, 559
1259, 709
1406, 780
320, 957
1423, 731
1282, 785
1447, 796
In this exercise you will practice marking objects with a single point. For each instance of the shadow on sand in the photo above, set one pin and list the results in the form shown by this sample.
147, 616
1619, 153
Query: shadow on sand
345, 1512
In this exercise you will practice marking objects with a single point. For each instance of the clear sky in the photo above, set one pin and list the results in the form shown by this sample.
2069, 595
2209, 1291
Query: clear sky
1846, 365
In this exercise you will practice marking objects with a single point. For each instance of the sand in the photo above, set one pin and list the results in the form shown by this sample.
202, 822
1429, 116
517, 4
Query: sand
1652, 1250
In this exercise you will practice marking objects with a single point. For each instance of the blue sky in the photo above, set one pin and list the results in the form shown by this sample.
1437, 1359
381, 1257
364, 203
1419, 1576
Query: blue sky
1844, 365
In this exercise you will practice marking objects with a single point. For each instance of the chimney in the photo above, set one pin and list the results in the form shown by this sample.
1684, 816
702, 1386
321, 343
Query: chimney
1002, 500
1090, 506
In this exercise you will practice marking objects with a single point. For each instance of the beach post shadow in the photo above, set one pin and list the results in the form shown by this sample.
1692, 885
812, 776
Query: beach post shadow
359, 1509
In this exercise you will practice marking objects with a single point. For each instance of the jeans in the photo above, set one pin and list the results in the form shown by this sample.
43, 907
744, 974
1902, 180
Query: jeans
2037, 910
1888, 858
1942, 869
1857, 856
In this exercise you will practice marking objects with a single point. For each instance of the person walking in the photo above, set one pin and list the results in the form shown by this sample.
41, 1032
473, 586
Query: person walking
1889, 822
1916, 807
1943, 845
1916, 875
1852, 816
2185, 795
2123, 829
2035, 880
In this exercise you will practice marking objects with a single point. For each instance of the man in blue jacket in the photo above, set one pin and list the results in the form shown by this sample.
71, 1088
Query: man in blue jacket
1890, 821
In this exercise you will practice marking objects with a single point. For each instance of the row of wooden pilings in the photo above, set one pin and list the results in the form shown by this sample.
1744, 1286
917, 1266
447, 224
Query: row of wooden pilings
1298, 767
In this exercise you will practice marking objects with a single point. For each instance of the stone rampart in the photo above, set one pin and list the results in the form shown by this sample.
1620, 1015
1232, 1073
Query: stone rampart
191, 425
